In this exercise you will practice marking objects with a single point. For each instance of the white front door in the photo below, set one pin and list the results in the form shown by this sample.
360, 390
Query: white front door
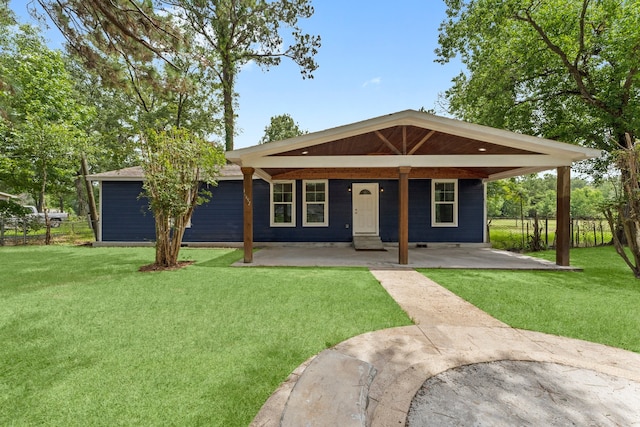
365, 209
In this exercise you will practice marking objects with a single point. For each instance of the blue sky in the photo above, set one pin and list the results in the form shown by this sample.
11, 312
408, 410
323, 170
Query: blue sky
377, 57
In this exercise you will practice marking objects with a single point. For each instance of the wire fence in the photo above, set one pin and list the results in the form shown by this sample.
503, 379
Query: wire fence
531, 234
513, 234
76, 230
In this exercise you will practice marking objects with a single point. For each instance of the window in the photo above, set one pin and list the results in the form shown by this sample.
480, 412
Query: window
444, 209
283, 202
315, 209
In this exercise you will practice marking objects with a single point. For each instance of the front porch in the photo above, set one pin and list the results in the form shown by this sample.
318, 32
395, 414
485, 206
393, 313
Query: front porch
405, 147
437, 256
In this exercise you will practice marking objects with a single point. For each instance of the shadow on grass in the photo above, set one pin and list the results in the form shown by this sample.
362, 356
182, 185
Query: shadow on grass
224, 260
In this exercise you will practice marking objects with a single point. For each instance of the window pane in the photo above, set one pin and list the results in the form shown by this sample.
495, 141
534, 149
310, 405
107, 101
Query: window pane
444, 213
315, 213
314, 192
282, 213
282, 192
312, 197
445, 191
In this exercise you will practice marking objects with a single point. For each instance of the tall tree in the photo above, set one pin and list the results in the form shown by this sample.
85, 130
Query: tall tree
235, 32
140, 59
281, 127
42, 122
222, 34
566, 70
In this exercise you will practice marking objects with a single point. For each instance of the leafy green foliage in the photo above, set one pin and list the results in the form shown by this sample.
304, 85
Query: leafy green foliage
565, 70
42, 122
218, 37
524, 196
236, 32
281, 127
178, 166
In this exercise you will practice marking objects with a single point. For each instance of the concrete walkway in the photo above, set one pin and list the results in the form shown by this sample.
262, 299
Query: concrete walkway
481, 372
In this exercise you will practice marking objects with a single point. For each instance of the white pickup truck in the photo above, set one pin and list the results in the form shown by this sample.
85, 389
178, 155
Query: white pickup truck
55, 218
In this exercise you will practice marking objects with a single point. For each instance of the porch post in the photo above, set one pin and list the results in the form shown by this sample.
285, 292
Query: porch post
247, 212
563, 216
403, 215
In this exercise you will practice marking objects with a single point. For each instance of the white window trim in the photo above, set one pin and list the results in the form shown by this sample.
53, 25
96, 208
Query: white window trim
433, 203
293, 205
326, 203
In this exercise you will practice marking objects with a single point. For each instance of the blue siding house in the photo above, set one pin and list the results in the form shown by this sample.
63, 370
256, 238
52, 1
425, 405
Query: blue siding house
125, 216
408, 178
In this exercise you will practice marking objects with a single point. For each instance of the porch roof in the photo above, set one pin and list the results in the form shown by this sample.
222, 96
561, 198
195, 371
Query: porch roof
433, 146
135, 173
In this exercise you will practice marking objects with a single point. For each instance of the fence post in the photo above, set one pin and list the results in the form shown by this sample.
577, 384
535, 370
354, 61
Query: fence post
573, 240
546, 232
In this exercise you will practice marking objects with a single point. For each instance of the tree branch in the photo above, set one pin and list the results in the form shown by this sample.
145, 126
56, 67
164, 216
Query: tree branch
571, 68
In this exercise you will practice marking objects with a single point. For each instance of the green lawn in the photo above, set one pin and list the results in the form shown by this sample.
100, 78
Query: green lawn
86, 339
599, 304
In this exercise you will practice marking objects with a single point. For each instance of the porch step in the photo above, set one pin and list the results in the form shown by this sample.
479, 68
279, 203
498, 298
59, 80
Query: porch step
368, 243
332, 391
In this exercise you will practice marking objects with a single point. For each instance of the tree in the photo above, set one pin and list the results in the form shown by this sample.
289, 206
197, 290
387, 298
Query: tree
281, 127
565, 70
179, 167
236, 32
222, 34
41, 125
625, 209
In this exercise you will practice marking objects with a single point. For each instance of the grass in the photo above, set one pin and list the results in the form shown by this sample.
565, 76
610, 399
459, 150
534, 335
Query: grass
89, 340
599, 304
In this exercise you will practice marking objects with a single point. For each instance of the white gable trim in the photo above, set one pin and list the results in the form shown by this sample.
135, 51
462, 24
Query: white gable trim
444, 161
246, 156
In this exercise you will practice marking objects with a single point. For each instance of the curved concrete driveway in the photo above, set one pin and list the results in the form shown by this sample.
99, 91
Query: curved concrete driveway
451, 333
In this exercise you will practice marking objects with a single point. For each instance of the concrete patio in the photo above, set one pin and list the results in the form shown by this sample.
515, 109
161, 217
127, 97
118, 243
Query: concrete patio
456, 366
464, 257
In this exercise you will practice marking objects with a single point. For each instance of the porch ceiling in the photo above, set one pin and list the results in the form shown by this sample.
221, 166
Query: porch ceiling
434, 147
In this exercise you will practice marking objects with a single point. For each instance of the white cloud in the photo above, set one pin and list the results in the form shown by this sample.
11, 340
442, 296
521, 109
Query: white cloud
373, 81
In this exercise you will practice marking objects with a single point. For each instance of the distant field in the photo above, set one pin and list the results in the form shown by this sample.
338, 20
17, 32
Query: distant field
515, 234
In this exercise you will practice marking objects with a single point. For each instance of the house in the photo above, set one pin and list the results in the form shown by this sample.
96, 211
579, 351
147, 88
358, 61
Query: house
408, 177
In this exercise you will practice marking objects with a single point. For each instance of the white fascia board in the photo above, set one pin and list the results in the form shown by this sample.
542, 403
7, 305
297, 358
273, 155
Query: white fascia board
518, 172
97, 178
244, 156
470, 160
141, 179
500, 136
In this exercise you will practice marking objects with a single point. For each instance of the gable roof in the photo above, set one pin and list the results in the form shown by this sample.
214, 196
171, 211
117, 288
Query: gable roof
433, 146
135, 173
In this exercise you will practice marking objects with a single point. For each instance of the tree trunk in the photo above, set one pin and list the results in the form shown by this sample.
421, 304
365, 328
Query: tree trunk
93, 210
163, 240
626, 211
228, 77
